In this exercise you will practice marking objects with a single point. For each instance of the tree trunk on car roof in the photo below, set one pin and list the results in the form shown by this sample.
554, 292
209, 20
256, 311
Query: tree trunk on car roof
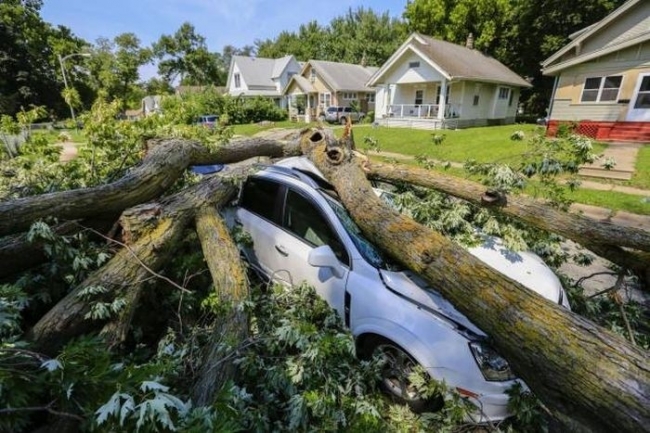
574, 366
603, 238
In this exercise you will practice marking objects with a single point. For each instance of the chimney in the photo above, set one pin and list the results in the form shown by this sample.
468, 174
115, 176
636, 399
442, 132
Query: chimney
469, 43
364, 61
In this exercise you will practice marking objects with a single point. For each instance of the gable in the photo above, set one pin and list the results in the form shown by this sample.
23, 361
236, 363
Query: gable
412, 67
628, 26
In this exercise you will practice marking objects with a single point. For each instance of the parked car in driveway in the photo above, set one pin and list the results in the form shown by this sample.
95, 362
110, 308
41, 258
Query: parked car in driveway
208, 120
338, 114
301, 232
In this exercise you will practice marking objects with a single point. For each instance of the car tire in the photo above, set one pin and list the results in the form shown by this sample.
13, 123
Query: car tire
394, 375
343, 120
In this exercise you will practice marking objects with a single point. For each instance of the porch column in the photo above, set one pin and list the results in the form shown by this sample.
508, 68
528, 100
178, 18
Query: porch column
308, 109
443, 100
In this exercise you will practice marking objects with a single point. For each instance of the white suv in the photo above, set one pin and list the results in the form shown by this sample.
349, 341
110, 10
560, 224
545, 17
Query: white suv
301, 232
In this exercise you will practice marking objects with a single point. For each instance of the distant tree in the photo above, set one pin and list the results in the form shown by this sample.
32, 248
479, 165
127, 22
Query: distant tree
184, 58
359, 36
29, 69
115, 66
363, 36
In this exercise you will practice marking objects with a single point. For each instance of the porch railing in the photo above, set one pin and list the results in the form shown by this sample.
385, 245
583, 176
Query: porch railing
423, 111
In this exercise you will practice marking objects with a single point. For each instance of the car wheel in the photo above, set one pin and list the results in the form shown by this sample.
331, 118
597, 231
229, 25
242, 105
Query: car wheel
398, 366
343, 120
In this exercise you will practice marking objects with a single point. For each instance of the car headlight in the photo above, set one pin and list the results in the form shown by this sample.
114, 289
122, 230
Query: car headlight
493, 366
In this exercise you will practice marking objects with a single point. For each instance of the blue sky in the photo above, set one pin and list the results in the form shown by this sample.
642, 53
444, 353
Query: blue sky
221, 22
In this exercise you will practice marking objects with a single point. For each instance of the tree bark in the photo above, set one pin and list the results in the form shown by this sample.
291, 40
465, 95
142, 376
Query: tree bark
230, 328
574, 366
162, 166
130, 266
603, 238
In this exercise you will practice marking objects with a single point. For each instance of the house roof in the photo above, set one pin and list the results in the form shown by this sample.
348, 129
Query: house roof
555, 64
343, 76
303, 83
259, 72
455, 62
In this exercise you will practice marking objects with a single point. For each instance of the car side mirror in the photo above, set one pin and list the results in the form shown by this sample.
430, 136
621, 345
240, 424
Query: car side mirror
323, 257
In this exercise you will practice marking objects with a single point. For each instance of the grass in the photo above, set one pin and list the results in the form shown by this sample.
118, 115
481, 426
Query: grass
641, 176
486, 144
253, 128
76, 136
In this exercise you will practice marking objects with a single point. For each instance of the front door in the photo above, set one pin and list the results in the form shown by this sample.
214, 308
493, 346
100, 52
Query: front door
639, 110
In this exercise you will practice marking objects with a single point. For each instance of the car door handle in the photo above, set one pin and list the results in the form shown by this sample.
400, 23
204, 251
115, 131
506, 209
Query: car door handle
282, 250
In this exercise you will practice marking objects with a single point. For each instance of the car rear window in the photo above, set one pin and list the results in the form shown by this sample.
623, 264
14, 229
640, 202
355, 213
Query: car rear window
259, 196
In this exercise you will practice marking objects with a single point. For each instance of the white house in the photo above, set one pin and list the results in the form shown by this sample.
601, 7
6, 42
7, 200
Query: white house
258, 76
433, 84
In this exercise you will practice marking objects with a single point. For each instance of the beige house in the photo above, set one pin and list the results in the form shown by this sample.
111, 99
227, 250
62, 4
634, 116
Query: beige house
432, 84
321, 84
602, 77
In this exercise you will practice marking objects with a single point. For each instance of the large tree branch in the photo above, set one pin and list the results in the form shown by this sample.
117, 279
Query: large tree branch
162, 166
152, 248
604, 238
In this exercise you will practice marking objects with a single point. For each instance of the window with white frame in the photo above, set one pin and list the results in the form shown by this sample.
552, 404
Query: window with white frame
237, 81
477, 94
312, 75
370, 97
504, 92
349, 96
601, 89
324, 99
643, 96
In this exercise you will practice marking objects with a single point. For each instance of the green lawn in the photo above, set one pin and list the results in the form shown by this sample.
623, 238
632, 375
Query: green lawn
253, 128
641, 177
487, 144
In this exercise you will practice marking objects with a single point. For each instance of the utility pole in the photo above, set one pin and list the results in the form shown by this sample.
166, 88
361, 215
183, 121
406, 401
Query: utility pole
65, 80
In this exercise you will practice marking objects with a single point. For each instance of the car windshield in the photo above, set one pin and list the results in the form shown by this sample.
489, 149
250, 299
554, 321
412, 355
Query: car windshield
369, 252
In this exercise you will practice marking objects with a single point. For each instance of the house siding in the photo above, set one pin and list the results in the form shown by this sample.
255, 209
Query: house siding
567, 105
633, 23
401, 73
232, 89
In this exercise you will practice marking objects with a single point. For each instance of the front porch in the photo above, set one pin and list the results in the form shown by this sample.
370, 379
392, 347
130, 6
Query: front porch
423, 116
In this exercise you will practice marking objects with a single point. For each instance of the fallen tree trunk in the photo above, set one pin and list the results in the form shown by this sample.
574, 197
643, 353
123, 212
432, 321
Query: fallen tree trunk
230, 327
603, 238
561, 356
69, 317
157, 172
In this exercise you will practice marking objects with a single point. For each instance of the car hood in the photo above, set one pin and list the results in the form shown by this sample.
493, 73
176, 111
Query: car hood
524, 267
410, 285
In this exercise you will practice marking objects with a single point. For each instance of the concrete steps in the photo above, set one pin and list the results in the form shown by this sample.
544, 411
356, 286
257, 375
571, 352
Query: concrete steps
624, 153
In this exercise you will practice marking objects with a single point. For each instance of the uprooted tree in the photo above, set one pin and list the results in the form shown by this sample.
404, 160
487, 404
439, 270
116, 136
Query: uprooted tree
574, 366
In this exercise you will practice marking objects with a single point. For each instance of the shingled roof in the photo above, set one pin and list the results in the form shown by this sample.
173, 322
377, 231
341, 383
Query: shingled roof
344, 76
455, 62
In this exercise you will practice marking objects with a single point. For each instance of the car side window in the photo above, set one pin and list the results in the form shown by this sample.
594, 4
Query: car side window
260, 196
306, 221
